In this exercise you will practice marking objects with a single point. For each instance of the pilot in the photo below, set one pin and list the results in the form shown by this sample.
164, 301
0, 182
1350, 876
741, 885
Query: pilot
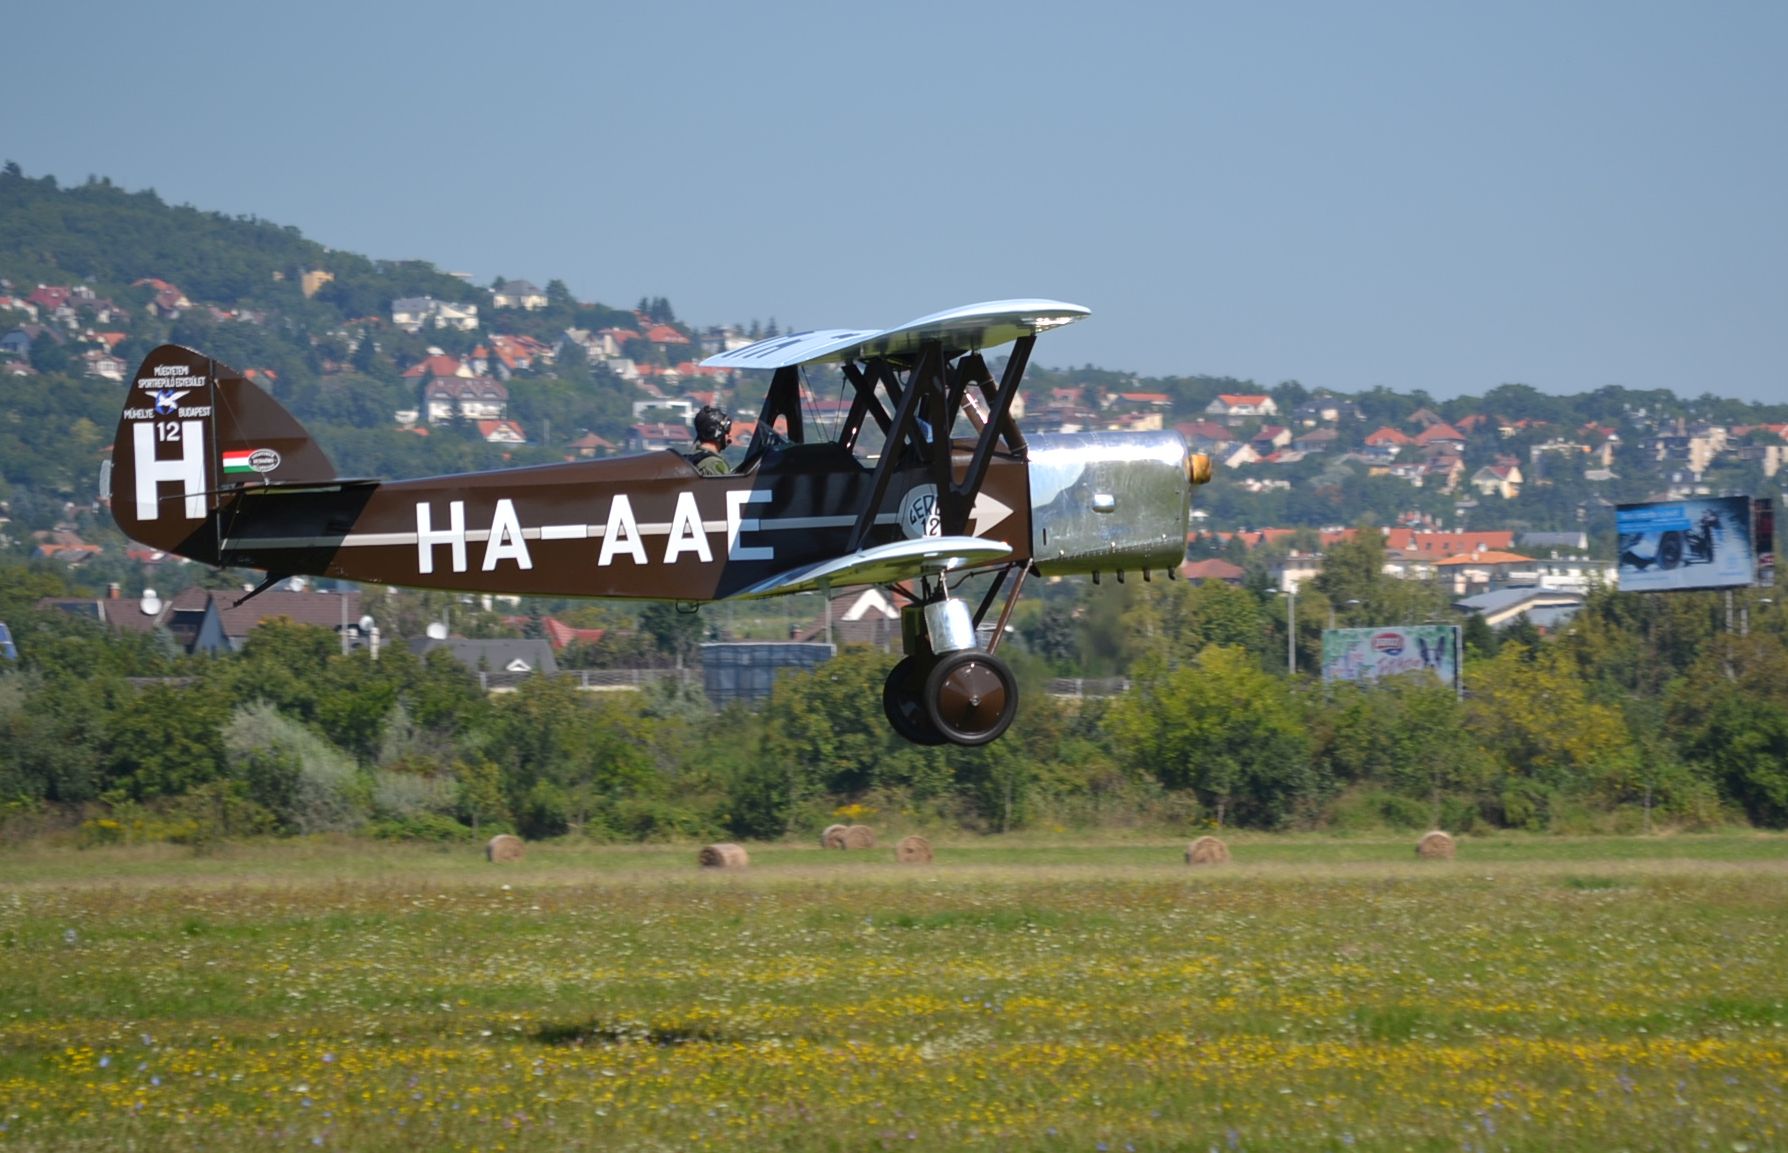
712, 428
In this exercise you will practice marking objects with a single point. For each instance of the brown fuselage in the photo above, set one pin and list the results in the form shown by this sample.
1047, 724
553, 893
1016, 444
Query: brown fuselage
640, 526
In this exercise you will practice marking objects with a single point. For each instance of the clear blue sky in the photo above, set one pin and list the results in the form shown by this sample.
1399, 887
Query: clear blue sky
1429, 195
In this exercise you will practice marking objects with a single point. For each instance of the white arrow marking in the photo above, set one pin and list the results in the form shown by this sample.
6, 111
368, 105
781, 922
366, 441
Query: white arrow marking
986, 513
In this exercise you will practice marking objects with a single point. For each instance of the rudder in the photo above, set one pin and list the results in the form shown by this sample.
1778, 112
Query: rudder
194, 433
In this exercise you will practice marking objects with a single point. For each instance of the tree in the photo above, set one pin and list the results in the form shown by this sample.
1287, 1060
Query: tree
1224, 729
166, 741
677, 634
480, 796
1531, 712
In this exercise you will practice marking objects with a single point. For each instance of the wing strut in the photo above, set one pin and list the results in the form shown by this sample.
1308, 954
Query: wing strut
999, 423
927, 370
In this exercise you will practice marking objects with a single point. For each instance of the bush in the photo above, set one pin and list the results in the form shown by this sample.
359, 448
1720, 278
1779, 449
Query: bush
308, 784
434, 828
400, 796
543, 813
648, 819
1366, 810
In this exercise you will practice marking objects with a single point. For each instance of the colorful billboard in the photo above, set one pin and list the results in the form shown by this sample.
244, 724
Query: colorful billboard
1368, 654
1698, 543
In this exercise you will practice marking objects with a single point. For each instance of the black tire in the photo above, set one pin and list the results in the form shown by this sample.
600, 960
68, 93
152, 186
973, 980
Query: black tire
1670, 550
971, 697
904, 704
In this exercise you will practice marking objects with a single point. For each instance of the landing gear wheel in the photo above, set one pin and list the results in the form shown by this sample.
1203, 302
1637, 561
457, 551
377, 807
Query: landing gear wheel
903, 702
971, 697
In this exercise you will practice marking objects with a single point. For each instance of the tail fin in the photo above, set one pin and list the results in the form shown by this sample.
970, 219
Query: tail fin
193, 434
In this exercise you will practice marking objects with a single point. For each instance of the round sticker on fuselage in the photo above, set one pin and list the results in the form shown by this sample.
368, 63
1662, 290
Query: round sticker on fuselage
919, 515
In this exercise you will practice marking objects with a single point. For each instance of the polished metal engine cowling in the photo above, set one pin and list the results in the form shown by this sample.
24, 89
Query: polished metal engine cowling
1110, 501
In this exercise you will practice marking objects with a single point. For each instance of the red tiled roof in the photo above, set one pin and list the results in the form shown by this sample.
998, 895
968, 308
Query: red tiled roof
434, 366
1441, 431
1215, 569
1445, 544
559, 634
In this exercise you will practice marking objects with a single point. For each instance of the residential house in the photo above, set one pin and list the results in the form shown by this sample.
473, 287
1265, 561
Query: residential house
1205, 435
481, 398
501, 664
1214, 570
517, 294
1486, 570
1440, 435
1443, 471
863, 616
1316, 440
19, 304
1439, 545
1325, 408
665, 410
1136, 422
501, 432
1385, 443
1159, 401
1555, 542
413, 313
1237, 408
1240, 455
665, 335
103, 365
651, 437
1503, 480
52, 301
201, 621
17, 343
439, 364
1291, 571
507, 355
560, 635
165, 300
590, 445
1546, 609
1270, 439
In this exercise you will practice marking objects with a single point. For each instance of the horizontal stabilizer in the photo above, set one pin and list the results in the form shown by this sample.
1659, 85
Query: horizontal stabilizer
886, 563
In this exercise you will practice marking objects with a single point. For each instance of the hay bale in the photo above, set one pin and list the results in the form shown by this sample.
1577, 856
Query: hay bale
1207, 851
727, 856
859, 837
1435, 846
503, 847
914, 850
833, 837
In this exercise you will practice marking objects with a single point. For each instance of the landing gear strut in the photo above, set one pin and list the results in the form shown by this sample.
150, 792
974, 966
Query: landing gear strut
947, 689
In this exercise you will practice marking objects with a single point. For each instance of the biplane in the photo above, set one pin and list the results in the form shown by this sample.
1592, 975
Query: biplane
923, 479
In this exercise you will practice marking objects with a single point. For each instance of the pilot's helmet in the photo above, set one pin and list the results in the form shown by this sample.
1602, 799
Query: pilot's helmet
712, 424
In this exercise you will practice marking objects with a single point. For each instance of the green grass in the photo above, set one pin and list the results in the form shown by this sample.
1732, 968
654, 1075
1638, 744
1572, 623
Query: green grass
1534, 993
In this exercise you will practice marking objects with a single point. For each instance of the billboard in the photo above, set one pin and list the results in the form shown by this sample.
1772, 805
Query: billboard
1368, 654
1698, 543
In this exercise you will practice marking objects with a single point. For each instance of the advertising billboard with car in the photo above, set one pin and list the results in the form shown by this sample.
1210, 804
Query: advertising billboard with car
1697, 543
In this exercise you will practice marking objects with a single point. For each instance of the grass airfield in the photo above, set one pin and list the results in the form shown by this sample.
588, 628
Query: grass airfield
1532, 994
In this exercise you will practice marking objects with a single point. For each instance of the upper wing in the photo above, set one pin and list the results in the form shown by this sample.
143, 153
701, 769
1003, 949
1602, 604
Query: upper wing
972, 326
884, 563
